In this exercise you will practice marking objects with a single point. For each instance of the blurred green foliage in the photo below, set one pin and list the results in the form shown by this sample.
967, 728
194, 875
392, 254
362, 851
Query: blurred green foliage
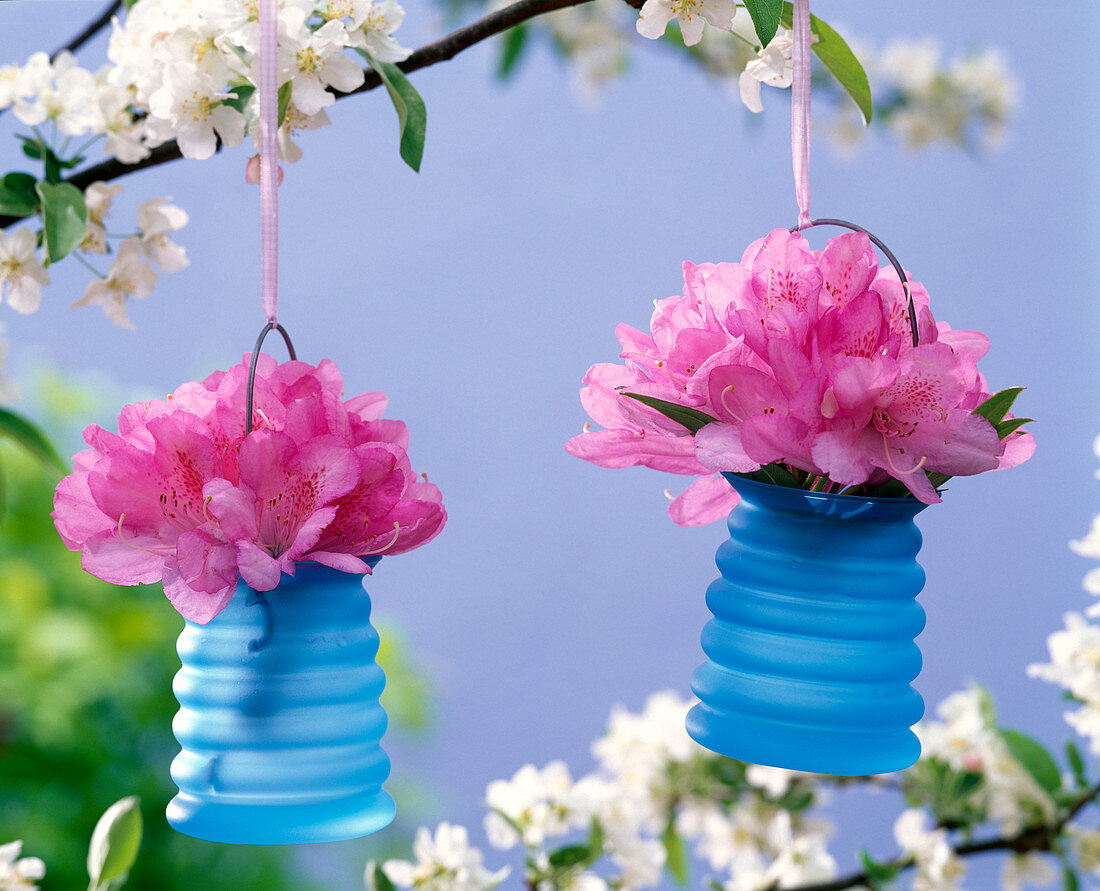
86, 706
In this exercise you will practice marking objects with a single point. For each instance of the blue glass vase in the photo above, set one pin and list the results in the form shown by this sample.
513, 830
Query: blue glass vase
811, 649
279, 722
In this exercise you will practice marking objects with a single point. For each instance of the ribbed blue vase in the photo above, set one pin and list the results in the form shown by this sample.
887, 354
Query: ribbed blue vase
279, 723
811, 649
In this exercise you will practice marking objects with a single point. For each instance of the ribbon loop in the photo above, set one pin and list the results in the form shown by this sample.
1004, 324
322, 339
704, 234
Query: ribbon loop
267, 92
800, 109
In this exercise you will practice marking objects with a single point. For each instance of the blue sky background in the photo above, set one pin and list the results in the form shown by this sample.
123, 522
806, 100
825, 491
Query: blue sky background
477, 293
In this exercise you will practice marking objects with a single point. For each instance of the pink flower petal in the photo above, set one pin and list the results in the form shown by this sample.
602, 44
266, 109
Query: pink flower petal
708, 499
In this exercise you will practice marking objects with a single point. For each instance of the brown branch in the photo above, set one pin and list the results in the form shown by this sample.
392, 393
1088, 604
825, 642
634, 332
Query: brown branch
439, 51
91, 31
1031, 838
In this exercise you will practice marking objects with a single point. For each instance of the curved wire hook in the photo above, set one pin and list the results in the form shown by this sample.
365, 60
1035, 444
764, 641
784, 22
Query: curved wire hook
844, 224
268, 328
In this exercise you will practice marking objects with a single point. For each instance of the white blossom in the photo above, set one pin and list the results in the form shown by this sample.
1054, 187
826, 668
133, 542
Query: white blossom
592, 36
621, 812
967, 738
1032, 868
18, 874
444, 861
189, 108
156, 219
130, 276
59, 91
533, 800
369, 26
656, 14
1085, 843
22, 275
773, 66
97, 199
938, 867
637, 747
312, 60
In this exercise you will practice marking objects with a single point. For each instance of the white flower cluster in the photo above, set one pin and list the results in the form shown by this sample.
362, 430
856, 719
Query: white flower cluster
186, 71
191, 67
920, 96
938, 868
16, 873
445, 861
1075, 650
648, 768
966, 738
925, 98
131, 274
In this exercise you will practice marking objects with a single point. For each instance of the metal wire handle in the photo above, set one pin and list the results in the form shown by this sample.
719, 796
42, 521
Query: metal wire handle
252, 366
844, 224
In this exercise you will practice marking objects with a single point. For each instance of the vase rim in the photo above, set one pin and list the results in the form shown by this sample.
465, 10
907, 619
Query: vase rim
825, 503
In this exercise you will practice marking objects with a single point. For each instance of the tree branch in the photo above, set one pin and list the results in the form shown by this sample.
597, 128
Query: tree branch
1030, 838
439, 51
91, 31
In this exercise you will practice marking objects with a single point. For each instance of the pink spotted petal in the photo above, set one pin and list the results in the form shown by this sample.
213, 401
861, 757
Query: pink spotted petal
848, 266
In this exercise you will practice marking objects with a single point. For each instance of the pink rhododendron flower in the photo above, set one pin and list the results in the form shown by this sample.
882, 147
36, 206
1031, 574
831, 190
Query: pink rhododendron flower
183, 496
800, 358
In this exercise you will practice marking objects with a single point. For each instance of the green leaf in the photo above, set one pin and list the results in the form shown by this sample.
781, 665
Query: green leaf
796, 799
513, 43
32, 148
1076, 763
1069, 880
874, 869
683, 415
569, 856
115, 841
774, 474
997, 406
839, 59
284, 100
1034, 758
1011, 425
676, 852
17, 194
765, 18
411, 113
31, 438
64, 218
241, 93
378, 880
582, 856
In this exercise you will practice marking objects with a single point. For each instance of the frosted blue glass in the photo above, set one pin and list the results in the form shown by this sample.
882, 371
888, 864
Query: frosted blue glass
279, 722
811, 649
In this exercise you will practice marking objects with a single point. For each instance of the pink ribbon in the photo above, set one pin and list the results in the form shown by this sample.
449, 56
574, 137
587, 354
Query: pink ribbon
267, 93
800, 109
